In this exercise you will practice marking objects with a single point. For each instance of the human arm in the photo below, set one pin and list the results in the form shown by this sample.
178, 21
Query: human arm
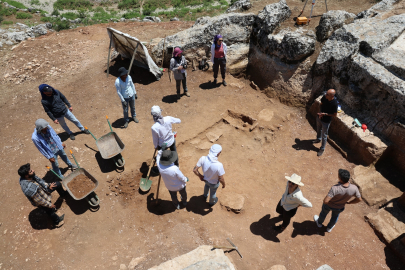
327, 199
197, 172
46, 152
131, 84
221, 179
155, 137
118, 87
181, 176
304, 202
225, 49
174, 120
173, 65
356, 200
64, 99
184, 62
48, 111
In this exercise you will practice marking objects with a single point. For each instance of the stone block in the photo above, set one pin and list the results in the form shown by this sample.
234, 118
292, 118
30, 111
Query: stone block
232, 201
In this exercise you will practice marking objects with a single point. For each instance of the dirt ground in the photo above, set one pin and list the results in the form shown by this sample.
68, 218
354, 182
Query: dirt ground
128, 225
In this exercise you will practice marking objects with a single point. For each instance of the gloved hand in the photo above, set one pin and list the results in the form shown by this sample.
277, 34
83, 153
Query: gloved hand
136, 96
124, 104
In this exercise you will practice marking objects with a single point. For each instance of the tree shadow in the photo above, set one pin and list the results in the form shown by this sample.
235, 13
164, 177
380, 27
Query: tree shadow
64, 135
304, 145
40, 220
169, 99
264, 228
209, 85
119, 123
198, 205
139, 75
163, 207
308, 228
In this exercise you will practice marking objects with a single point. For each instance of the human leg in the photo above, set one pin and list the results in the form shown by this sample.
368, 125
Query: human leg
55, 166
324, 212
223, 68
183, 194
131, 102
64, 157
62, 123
279, 208
125, 109
52, 213
178, 82
324, 134
173, 148
206, 189
335, 217
184, 82
318, 129
215, 67
287, 215
213, 193
175, 201
70, 116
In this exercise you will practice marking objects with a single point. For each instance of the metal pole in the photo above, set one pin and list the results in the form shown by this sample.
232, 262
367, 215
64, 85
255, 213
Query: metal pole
326, 4
133, 57
312, 8
54, 172
108, 60
157, 193
163, 53
74, 159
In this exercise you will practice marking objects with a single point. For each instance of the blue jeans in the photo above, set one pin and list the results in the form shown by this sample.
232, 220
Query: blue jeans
322, 129
183, 195
55, 165
335, 215
212, 188
69, 116
131, 103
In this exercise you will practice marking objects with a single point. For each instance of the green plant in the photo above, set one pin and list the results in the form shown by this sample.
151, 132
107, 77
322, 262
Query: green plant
70, 15
129, 4
1, 18
43, 12
55, 12
132, 14
22, 15
46, 19
59, 25
82, 13
72, 4
7, 22
15, 4
35, 2
99, 9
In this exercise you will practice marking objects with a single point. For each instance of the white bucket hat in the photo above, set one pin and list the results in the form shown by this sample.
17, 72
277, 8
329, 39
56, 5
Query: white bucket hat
295, 178
156, 111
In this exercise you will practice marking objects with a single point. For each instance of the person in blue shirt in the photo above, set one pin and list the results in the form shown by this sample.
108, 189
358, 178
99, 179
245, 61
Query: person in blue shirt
50, 145
127, 94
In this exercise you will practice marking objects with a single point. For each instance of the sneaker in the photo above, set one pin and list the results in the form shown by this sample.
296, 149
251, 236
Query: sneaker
316, 141
320, 153
72, 137
86, 131
316, 221
215, 202
215, 81
178, 96
224, 83
278, 228
61, 222
135, 119
329, 230
73, 167
126, 125
187, 94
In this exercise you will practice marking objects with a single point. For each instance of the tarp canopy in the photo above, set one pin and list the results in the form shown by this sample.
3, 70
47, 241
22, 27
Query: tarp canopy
125, 45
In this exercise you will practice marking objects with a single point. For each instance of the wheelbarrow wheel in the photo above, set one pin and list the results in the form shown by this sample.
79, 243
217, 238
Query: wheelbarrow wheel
120, 162
93, 200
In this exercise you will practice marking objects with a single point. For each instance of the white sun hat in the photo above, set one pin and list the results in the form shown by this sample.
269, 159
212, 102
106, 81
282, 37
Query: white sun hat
295, 178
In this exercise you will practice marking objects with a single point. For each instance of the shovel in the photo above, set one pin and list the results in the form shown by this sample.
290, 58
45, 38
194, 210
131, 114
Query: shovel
146, 182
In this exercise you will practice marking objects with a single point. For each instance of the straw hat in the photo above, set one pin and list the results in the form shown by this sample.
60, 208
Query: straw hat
295, 178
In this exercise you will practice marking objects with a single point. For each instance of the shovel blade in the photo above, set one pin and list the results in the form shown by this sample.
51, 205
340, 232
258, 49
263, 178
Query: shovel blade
145, 184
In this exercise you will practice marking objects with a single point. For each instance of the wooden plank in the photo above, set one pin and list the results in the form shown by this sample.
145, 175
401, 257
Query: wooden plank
108, 60
133, 57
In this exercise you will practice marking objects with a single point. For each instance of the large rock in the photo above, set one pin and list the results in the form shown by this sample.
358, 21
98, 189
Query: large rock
196, 41
295, 46
270, 17
330, 21
15, 36
240, 5
40, 29
232, 201
377, 10
203, 257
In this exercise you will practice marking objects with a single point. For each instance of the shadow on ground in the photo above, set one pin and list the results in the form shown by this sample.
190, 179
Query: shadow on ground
306, 145
209, 85
119, 123
106, 165
198, 205
163, 207
39, 219
264, 228
308, 228
169, 99
64, 135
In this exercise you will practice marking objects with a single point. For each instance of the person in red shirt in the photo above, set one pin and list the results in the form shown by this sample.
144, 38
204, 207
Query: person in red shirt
218, 58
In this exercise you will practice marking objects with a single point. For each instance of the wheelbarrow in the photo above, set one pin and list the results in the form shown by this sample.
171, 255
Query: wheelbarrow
110, 146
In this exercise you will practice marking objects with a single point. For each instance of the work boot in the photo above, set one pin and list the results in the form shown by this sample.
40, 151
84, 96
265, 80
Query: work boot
316, 221
73, 167
86, 131
224, 83
187, 94
61, 222
320, 152
125, 125
215, 81
135, 119
316, 141
72, 137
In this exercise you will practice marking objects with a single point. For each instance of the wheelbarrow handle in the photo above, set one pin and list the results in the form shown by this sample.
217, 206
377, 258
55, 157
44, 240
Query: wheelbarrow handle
78, 166
91, 133
108, 122
54, 172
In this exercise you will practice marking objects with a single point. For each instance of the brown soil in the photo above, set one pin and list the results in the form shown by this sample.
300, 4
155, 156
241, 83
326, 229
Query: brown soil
80, 186
129, 225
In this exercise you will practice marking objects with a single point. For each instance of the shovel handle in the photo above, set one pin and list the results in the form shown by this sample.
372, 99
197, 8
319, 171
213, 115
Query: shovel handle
157, 192
91, 133
153, 164
74, 158
108, 122
54, 172
223, 247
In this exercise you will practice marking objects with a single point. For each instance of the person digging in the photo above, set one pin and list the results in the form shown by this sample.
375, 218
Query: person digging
213, 173
127, 93
174, 179
290, 201
58, 108
39, 192
49, 144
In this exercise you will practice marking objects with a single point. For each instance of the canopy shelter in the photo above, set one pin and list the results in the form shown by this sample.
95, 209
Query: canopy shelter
132, 48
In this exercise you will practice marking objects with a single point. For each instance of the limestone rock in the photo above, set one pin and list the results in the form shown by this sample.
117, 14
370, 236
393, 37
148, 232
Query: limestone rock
48, 25
40, 29
330, 21
232, 201
265, 115
377, 9
240, 5
122, 20
325, 267
147, 20
134, 262
278, 267
270, 17
209, 264
21, 25
201, 256
174, 19
152, 18
123, 267
296, 46
213, 137
1, 44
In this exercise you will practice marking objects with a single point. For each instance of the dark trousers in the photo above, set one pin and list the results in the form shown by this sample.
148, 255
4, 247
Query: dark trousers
52, 211
183, 195
184, 81
173, 148
286, 215
219, 62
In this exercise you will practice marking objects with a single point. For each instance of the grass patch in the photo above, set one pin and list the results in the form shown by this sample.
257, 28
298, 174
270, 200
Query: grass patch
22, 15
104, 16
72, 4
46, 19
60, 25
132, 14
15, 4
70, 15
35, 2
6, 22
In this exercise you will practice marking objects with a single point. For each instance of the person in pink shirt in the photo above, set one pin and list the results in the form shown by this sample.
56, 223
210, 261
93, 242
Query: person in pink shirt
218, 58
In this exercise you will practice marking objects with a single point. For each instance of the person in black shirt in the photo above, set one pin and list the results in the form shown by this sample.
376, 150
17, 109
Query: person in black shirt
329, 108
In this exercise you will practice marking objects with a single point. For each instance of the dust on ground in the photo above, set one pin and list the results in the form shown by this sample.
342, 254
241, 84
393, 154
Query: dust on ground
255, 162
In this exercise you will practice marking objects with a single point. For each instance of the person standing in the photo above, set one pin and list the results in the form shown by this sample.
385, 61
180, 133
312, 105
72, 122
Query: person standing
174, 179
54, 103
328, 110
213, 171
218, 57
338, 196
162, 133
290, 201
127, 94
178, 65
39, 192
50, 145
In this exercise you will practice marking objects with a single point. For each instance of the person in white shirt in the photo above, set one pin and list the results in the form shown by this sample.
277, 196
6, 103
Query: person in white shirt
213, 173
127, 94
291, 200
174, 179
162, 133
